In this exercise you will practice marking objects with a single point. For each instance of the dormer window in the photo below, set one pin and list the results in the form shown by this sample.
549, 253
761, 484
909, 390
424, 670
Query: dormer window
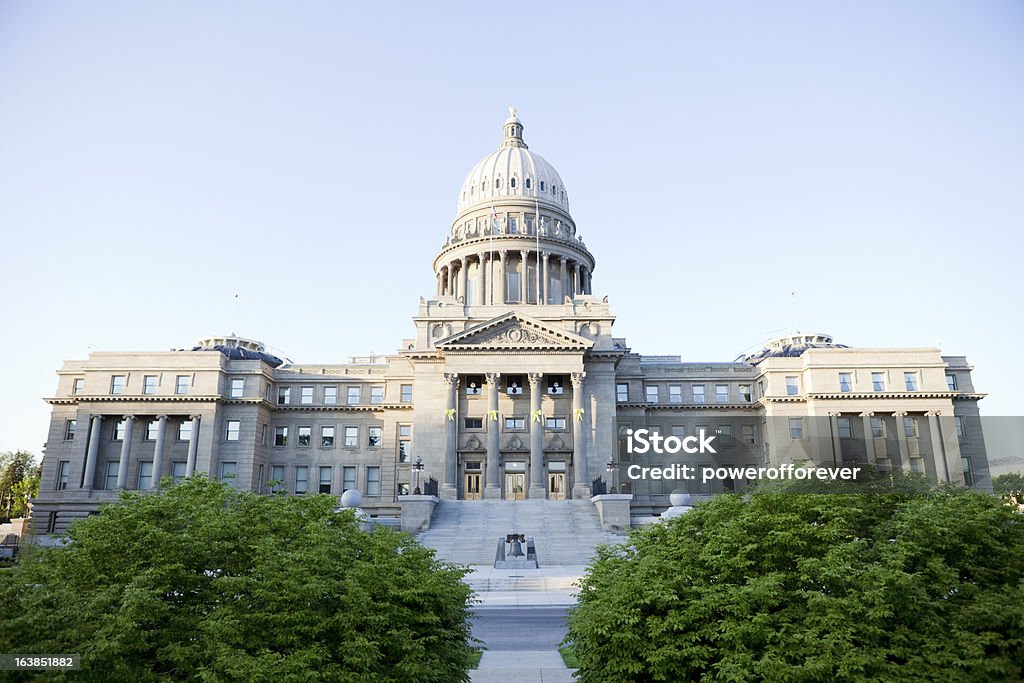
497, 183
554, 189
542, 186
512, 183
527, 183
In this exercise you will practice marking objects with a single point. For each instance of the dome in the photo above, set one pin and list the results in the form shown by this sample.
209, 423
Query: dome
792, 346
238, 348
513, 171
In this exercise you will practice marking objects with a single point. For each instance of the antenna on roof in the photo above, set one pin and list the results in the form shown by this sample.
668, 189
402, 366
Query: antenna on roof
793, 306
234, 317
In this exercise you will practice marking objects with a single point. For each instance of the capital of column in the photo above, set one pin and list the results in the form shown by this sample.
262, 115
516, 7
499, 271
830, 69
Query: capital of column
503, 253
900, 413
491, 378
835, 413
451, 379
535, 379
162, 418
577, 379
128, 418
867, 413
933, 413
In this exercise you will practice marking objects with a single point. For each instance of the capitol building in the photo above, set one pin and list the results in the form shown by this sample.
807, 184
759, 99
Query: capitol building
515, 385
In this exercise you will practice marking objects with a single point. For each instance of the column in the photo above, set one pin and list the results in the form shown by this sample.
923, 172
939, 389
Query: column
126, 452
463, 278
502, 277
158, 451
901, 436
450, 469
482, 299
545, 279
537, 488
193, 448
493, 488
575, 279
837, 444
869, 440
580, 475
92, 453
562, 287
522, 277
584, 280
939, 454
451, 279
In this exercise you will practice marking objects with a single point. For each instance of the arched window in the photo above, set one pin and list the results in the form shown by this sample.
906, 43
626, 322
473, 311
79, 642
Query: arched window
483, 186
542, 186
527, 183
512, 183
497, 183
554, 189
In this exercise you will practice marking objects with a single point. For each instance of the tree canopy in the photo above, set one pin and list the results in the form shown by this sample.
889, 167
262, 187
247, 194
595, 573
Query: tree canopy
1010, 486
19, 481
201, 582
811, 587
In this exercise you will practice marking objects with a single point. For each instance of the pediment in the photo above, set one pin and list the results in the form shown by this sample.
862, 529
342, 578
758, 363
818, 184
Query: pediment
514, 332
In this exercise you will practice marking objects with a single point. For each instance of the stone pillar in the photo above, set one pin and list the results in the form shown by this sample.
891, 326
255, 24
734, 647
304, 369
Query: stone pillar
193, 448
493, 488
126, 452
901, 436
580, 475
575, 278
562, 289
545, 279
869, 440
451, 445
438, 278
537, 488
158, 451
522, 276
463, 279
92, 453
451, 279
502, 277
482, 299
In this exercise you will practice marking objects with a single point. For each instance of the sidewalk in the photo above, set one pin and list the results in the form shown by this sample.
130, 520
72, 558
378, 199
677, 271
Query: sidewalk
532, 666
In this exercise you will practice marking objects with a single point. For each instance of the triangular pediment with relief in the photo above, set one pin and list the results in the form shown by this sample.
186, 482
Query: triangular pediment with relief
514, 331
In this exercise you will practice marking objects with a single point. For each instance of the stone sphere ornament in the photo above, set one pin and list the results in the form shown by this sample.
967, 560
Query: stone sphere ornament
351, 499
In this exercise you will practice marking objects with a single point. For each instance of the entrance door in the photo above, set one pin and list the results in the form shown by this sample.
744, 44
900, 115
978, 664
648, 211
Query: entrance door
471, 490
515, 485
556, 485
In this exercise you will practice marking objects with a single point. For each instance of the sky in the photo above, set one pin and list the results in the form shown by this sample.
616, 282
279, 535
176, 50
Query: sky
738, 169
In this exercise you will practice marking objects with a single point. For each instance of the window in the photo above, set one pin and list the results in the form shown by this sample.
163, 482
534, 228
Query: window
910, 427
373, 436
792, 386
513, 227
280, 436
951, 382
747, 435
259, 480
910, 380
181, 384
119, 430
744, 393
844, 428
351, 437
724, 433
305, 436
149, 384
117, 383
959, 422
177, 472
373, 481
327, 437
348, 478
152, 429
651, 393
234, 427
237, 387
515, 423
877, 428
796, 428
968, 472
473, 422
675, 393
377, 394
556, 385
845, 381
556, 423
69, 430
406, 393
263, 435
697, 392
512, 288
110, 476
301, 478
721, 393
330, 396
622, 393
185, 430
306, 396
276, 478
63, 467
284, 396
352, 396
474, 384
542, 186
760, 387
145, 475
877, 381
79, 386
404, 443
326, 479
228, 471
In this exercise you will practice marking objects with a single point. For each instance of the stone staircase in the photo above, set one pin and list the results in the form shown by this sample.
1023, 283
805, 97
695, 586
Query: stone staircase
565, 531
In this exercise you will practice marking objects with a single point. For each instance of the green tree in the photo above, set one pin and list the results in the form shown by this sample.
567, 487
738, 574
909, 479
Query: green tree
1010, 486
201, 582
14, 468
23, 491
811, 587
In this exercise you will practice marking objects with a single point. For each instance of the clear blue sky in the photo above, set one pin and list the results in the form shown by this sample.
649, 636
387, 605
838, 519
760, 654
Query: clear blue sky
156, 158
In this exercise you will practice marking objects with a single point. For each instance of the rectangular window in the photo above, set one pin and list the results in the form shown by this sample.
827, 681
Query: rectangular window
514, 385
327, 437
675, 393
373, 436
474, 385
348, 478
234, 428
512, 288
306, 396
373, 481
79, 386
877, 428
110, 476
556, 385
259, 480
721, 393
845, 381
748, 435
69, 430
910, 427
263, 435
796, 428
760, 387
152, 429
622, 393
301, 478
406, 393
959, 422
910, 380
351, 437
182, 383
844, 428
951, 382
877, 381
185, 430
280, 436
697, 392
228, 471
117, 383
473, 423
651, 393
276, 478
330, 396
556, 423
119, 430
284, 396
149, 384
326, 479
305, 435
177, 472
404, 443
352, 395
63, 468
724, 434
145, 475
376, 394
515, 423
968, 472
237, 387
792, 386
744, 393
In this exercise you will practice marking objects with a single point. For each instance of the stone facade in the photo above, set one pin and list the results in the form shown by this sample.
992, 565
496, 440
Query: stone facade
514, 386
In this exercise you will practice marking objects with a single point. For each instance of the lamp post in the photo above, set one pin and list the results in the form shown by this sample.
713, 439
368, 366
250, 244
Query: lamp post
417, 467
612, 467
